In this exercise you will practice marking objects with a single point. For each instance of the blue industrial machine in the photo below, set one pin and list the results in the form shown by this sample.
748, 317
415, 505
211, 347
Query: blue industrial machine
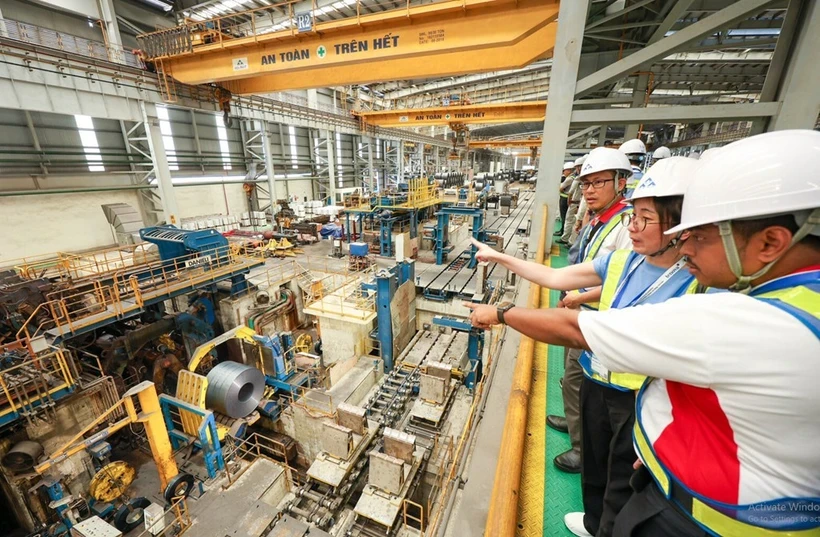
199, 248
475, 346
387, 282
442, 242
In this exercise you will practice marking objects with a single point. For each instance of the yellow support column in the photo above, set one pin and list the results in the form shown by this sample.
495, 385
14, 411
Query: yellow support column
151, 416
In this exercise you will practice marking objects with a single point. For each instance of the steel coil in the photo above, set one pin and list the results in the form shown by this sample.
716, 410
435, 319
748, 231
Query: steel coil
23, 456
234, 389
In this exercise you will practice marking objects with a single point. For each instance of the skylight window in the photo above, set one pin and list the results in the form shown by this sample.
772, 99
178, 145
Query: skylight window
85, 126
222, 134
167, 138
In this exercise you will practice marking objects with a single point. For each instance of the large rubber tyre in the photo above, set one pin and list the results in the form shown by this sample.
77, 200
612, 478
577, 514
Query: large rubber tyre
180, 485
132, 515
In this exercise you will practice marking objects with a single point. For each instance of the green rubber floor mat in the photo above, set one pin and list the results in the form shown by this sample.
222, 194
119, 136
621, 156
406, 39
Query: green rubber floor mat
562, 492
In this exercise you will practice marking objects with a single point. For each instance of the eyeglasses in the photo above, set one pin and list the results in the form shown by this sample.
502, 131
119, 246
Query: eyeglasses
598, 184
628, 219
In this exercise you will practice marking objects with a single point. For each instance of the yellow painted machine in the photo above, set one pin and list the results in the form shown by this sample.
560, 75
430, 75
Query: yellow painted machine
141, 405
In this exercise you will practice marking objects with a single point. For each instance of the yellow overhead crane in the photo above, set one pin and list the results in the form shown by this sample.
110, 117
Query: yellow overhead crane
445, 38
462, 114
499, 144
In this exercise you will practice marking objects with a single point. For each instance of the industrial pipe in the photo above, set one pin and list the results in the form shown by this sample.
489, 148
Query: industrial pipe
503, 512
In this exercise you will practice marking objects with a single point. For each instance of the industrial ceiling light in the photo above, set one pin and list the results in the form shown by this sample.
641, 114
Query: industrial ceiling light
159, 4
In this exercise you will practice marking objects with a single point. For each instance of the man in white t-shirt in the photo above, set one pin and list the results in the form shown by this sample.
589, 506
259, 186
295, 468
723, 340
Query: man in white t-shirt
727, 431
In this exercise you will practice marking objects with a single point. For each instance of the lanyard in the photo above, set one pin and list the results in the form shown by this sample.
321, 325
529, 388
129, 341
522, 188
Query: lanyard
660, 282
792, 280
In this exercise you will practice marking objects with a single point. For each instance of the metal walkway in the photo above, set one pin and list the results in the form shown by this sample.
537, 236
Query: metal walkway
546, 493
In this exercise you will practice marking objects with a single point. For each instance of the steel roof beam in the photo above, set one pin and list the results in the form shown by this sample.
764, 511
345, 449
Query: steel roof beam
668, 45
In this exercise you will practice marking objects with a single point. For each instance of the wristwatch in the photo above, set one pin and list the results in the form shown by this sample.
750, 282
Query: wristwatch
502, 309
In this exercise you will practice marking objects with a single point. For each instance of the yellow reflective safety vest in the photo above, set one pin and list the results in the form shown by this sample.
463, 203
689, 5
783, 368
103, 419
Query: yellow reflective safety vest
798, 295
621, 265
590, 246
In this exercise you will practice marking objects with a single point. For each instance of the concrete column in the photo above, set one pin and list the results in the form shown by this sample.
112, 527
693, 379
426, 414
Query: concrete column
374, 182
602, 136
3, 31
420, 156
159, 159
571, 20
331, 165
313, 98
112, 30
269, 169
798, 93
400, 151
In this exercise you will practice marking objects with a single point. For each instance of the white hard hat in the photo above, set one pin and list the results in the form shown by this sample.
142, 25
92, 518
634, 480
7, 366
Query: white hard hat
569, 165
764, 175
710, 153
580, 160
633, 147
661, 152
605, 158
669, 177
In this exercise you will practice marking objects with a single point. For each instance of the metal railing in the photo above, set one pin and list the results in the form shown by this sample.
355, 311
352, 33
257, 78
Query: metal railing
31, 33
279, 18
29, 387
127, 289
257, 446
68, 266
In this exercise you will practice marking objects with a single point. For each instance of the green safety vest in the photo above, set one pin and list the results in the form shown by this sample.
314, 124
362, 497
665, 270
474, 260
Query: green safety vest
802, 301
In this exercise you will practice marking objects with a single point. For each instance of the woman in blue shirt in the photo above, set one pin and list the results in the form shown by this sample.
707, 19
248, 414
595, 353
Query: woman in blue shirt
652, 272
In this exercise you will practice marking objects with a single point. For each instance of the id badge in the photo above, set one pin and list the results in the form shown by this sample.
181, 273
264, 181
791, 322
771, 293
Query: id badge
598, 367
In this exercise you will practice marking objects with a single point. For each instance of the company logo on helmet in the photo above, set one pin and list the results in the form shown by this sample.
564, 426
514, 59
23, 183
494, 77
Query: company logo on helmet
646, 183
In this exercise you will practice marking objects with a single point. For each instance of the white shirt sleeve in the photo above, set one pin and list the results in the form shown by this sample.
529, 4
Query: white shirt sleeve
694, 339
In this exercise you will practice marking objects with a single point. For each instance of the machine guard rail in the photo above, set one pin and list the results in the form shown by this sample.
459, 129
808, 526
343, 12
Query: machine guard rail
503, 509
34, 385
183, 39
127, 289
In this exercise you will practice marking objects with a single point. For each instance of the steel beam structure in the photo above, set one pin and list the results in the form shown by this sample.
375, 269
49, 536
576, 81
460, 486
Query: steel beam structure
480, 36
798, 91
733, 12
571, 22
159, 159
674, 114
640, 94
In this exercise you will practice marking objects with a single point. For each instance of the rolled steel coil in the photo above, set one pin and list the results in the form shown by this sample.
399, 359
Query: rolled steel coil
234, 389
23, 456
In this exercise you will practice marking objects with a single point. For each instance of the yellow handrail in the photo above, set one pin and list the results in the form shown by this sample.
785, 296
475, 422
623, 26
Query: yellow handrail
503, 511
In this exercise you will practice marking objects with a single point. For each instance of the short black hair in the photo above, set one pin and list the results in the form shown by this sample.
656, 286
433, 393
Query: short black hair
669, 210
747, 228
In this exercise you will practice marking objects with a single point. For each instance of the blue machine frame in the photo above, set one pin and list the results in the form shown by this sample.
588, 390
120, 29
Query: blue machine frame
475, 346
442, 246
211, 448
387, 282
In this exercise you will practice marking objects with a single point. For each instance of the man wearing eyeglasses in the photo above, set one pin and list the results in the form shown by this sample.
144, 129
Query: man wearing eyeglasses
602, 180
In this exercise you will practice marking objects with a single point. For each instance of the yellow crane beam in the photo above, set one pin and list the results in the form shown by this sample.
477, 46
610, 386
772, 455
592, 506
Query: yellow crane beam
442, 39
496, 144
465, 114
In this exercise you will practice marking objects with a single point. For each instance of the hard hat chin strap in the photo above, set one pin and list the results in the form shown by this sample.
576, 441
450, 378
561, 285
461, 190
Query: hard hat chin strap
743, 283
672, 244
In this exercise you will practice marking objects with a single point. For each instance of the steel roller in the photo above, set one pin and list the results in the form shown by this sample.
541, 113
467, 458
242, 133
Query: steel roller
234, 389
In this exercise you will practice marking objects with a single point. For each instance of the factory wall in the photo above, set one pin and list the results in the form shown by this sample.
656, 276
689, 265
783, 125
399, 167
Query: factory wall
30, 222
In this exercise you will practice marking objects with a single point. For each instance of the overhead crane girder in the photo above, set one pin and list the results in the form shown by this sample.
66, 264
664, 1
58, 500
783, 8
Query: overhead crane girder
464, 114
442, 39
496, 144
